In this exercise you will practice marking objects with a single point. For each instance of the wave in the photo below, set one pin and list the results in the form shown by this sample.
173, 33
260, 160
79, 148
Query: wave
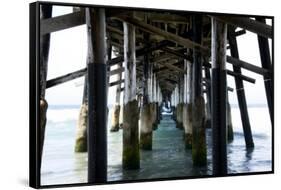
62, 114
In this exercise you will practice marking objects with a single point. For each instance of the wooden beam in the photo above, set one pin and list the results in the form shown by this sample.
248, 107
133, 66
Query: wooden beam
240, 32
257, 27
167, 35
116, 82
266, 64
117, 71
168, 18
62, 22
190, 44
242, 77
172, 67
173, 52
240, 90
66, 78
74, 75
239, 63
140, 52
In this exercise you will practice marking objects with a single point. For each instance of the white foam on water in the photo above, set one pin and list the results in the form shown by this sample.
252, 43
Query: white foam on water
62, 115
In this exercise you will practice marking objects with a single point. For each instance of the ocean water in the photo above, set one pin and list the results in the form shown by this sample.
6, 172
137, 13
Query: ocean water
61, 165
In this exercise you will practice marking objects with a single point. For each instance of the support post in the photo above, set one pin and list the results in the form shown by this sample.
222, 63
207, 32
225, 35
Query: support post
199, 152
266, 64
147, 114
97, 96
117, 107
81, 134
187, 108
45, 12
180, 103
219, 32
131, 154
208, 95
240, 90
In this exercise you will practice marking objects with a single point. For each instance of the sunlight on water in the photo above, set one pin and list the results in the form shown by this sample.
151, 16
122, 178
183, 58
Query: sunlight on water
168, 158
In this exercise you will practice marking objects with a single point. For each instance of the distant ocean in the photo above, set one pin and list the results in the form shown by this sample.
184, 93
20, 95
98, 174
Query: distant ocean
168, 158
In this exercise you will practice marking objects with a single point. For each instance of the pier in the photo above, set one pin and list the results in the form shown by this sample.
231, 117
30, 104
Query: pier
166, 62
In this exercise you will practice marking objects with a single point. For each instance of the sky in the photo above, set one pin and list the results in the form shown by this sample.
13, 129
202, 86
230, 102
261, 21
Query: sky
68, 51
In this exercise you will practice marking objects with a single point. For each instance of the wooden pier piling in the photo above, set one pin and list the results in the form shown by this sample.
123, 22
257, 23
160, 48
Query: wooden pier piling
199, 152
81, 134
179, 108
45, 13
115, 125
131, 154
218, 89
240, 90
187, 107
147, 110
97, 96
266, 64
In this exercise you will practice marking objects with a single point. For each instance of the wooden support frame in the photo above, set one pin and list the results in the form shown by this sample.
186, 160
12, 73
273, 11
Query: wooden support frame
266, 64
240, 90
257, 27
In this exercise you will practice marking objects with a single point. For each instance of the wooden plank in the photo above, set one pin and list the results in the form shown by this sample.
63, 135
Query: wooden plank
257, 27
62, 22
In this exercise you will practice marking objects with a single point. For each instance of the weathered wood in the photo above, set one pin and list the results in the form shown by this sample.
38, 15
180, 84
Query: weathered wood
45, 12
116, 110
240, 32
257, 27
218, 119
71, 76
173, 52
116, 82
208, 97
199, 151
190, 44
130, 154
140, 52
167, 35
65, 78
266, 64
97, 96
168, 18
240, 91
118, 71
240, 76
239, 63
59, 23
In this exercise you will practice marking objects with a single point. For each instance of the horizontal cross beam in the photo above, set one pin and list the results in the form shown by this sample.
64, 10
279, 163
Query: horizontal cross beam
248, 24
